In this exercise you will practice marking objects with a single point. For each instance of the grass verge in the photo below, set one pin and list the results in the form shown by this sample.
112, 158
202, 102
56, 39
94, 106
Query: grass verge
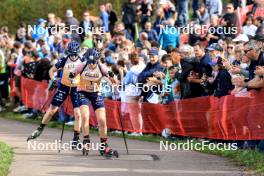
6, 157
251, 160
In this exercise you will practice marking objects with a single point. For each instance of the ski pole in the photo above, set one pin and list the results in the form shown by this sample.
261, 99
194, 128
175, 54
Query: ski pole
62, 131
63, 124
122, 127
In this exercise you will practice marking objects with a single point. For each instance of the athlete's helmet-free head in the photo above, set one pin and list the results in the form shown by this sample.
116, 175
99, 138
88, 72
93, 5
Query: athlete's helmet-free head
73, 47
92, 56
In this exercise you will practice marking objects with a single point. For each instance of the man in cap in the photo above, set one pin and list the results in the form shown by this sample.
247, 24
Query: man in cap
152, 66
147, 76
215, 51
40, 31
221, 84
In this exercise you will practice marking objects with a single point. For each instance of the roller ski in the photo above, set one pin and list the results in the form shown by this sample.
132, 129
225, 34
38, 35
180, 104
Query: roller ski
75, 142
36, 133
107, 152
86, 146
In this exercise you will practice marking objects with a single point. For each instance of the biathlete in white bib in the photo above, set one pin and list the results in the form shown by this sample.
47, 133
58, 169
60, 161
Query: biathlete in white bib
68, 86
90, 94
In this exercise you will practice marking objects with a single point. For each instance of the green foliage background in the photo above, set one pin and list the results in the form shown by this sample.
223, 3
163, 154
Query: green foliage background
14, 12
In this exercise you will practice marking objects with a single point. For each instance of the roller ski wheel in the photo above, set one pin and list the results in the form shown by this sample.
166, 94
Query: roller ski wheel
75, 143
86, 147
35, 134
85, 152
116, 154
109, 153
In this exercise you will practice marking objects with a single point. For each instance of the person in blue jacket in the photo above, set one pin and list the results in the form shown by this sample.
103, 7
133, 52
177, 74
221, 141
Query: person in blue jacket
169, 36
40, 32
104, 17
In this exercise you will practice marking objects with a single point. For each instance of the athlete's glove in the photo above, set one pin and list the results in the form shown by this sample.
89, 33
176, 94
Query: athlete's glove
71, 75
111, 74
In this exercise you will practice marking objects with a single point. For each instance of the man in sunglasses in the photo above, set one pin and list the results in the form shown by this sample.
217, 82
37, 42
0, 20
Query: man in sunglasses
254, 51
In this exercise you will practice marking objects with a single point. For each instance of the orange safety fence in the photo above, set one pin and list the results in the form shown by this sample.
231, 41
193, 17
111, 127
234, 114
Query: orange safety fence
229, 117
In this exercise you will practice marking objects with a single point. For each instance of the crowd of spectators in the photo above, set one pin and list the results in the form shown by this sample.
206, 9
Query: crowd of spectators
145, 46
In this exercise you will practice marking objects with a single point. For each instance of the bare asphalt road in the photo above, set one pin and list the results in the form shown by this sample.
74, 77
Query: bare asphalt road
72, 163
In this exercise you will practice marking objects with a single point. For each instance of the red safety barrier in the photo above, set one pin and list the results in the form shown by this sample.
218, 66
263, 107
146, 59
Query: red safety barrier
229, 117
259, 12
184, 38
12, 86
35, 94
